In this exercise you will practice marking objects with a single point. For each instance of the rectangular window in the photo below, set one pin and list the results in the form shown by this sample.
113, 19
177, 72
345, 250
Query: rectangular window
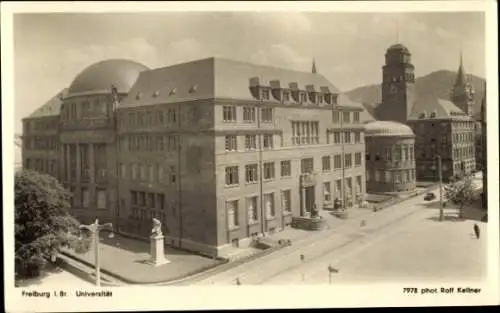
143, 172
356, 117
232, 213
231, 143
269, 170
327, 196
326, 163
336, 137
152, 173
269, 204
336, 117
229, 113
250, 142
85, 198
286, 169
348, 160
231, 175
268, 141
123, 170
286, 201
357, 137
307, 166
337, 161
267, 115
171, 116
101, 199
251, 173
249, 115
347, 137
357, 159
252, 209
346, 116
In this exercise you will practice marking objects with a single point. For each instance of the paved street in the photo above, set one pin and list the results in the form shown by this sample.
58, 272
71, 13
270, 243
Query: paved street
402, 241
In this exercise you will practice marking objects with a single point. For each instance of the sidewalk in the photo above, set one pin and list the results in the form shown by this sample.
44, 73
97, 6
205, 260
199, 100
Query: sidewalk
126, 259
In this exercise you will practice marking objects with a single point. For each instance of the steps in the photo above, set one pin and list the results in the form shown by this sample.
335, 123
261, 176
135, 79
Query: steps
85, 272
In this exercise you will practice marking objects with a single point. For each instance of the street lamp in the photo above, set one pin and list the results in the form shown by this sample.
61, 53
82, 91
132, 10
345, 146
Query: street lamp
94, 229
440, 172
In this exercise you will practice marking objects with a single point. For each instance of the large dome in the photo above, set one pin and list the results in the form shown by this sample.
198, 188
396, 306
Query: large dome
387, 128
99, 77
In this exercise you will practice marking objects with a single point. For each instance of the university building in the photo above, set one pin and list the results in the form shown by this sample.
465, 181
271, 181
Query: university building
220, 151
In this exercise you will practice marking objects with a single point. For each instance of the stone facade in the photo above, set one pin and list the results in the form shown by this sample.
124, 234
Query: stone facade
219, 151
390, 162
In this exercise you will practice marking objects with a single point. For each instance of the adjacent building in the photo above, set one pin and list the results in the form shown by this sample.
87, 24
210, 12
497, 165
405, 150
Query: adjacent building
390, 161
443, 128
220, 151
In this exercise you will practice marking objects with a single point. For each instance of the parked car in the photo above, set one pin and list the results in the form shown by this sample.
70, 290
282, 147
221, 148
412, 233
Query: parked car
429, 196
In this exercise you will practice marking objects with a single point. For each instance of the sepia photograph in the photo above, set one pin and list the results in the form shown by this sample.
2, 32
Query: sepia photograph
205, 146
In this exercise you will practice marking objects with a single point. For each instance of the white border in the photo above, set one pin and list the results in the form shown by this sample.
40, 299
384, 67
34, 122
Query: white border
214, 297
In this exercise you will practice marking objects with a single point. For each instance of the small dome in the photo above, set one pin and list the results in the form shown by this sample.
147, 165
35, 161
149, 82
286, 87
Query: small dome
398, 48
387, 128
99, 77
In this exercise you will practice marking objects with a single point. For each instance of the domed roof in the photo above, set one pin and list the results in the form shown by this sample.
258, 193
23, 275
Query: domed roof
99, 77
387, 128
398, 48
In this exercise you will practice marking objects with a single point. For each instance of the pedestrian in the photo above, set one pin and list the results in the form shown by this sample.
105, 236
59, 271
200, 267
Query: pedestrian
363, 223
477, 231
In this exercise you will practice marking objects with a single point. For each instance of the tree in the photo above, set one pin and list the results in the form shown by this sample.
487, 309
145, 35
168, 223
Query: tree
460, 192
42, 222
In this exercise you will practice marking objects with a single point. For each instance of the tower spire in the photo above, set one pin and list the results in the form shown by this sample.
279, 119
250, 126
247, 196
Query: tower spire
460, 80
314, 66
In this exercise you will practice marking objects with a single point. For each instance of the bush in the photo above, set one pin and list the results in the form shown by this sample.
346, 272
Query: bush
42, 222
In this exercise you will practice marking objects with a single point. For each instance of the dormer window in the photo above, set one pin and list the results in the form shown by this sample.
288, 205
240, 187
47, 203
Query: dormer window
172, 92
138, 96
335, 99
320, 98
286, 96
156, 93
433, 115
421, 115
303, 97
312, 96
265, 94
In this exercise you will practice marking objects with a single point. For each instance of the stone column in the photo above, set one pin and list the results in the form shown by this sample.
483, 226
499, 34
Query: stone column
67, 162
157, 254
303, 201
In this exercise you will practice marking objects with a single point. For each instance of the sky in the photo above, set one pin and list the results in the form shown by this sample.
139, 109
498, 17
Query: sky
51, 49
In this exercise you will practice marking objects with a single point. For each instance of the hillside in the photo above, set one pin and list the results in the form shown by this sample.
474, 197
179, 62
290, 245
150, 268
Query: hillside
438, 83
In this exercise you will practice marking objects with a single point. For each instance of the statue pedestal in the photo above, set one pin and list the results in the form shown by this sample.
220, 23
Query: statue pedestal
157, 251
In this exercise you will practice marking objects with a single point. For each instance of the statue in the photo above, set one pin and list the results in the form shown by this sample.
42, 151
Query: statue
156, 231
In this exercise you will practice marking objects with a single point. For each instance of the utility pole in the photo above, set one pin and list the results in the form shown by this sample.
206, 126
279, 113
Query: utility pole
94, 229
440, 172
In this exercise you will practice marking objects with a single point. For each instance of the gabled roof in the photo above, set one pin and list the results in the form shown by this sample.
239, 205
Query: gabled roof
432, 107
51, 107
214, 78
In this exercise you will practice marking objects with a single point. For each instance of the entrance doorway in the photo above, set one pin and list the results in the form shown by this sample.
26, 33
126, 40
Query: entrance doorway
309, 198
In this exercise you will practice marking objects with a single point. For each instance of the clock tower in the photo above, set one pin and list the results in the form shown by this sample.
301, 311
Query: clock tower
398, 84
